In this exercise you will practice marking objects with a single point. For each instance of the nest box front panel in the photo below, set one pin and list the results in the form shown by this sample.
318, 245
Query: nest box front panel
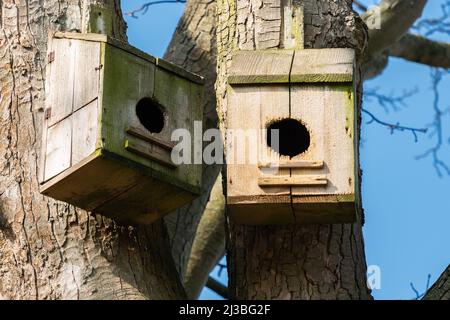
309, 176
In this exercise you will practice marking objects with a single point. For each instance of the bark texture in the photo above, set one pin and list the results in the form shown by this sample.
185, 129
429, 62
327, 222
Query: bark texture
49, 249
441, 288
295, 261
193, 47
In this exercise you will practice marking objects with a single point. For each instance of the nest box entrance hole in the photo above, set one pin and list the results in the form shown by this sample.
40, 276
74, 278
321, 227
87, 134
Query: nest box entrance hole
150, 115
293, 137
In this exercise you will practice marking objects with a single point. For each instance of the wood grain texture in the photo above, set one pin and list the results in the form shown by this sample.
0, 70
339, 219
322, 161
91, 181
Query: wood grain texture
59, 148
268, 66
109, 80
304, 180
323, 65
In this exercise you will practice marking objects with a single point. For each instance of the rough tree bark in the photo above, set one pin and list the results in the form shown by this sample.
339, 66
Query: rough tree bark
197, 234
49, 249
296, 261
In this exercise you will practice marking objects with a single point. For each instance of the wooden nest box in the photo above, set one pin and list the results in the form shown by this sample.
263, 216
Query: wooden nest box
311, 174
110, 112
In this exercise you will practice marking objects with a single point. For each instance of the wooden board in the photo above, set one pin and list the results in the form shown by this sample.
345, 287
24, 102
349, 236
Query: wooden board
268, 66
58, 149
91, 182
61, 80
328, 113
323, 65
270, 103
87, 72
85, 132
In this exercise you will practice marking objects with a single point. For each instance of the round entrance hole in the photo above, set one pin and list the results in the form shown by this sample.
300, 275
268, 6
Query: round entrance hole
293, 136
150, 115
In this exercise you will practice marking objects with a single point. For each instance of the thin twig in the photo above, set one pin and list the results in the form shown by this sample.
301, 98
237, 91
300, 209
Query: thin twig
217, 287
396, 126
144, 8
360, 5
437, 76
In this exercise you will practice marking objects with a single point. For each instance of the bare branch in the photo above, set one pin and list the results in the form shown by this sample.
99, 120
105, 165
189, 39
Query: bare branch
360, 5
394, 127
217, 287
436, 25
390, 101
396, 17
437, 76
419, 49
144, 8
420, 295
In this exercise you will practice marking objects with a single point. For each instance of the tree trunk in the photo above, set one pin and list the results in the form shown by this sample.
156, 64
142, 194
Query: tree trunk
294, 261
49, 249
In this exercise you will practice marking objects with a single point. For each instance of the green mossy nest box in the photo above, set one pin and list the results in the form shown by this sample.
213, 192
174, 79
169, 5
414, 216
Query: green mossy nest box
311, 174
110, 112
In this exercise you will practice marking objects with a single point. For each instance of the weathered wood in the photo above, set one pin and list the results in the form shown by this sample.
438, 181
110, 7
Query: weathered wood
100, 155
293, 164
316, 91
139, 133
269, 66
152, 152
304, 180
323, 65
60, 82
84, 132
58, 149
87, 72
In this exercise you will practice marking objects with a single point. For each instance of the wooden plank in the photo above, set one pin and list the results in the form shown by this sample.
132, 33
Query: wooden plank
330, 209
139, 133
58, 150
85, 131
306, 180
87, 72
95, 37
251, 109
182, 101
91, 182
268, 66
323, 65
62, 77
146, 202
179, 71
328, 113
149, 151
293, 164
260, 213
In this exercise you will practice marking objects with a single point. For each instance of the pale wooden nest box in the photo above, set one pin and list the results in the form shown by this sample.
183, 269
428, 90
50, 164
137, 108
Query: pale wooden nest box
110, 112
311, 175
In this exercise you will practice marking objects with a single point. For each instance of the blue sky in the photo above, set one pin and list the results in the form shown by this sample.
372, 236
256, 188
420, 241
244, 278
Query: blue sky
407, 206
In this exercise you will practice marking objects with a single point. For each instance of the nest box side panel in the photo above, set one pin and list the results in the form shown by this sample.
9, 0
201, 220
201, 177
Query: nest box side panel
70, 125
181, 100
127, 79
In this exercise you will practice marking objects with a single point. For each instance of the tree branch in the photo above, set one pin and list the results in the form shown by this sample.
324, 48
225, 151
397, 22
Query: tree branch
441, 288
144, 8
395, 18
217, 287
394, 127
419, 49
